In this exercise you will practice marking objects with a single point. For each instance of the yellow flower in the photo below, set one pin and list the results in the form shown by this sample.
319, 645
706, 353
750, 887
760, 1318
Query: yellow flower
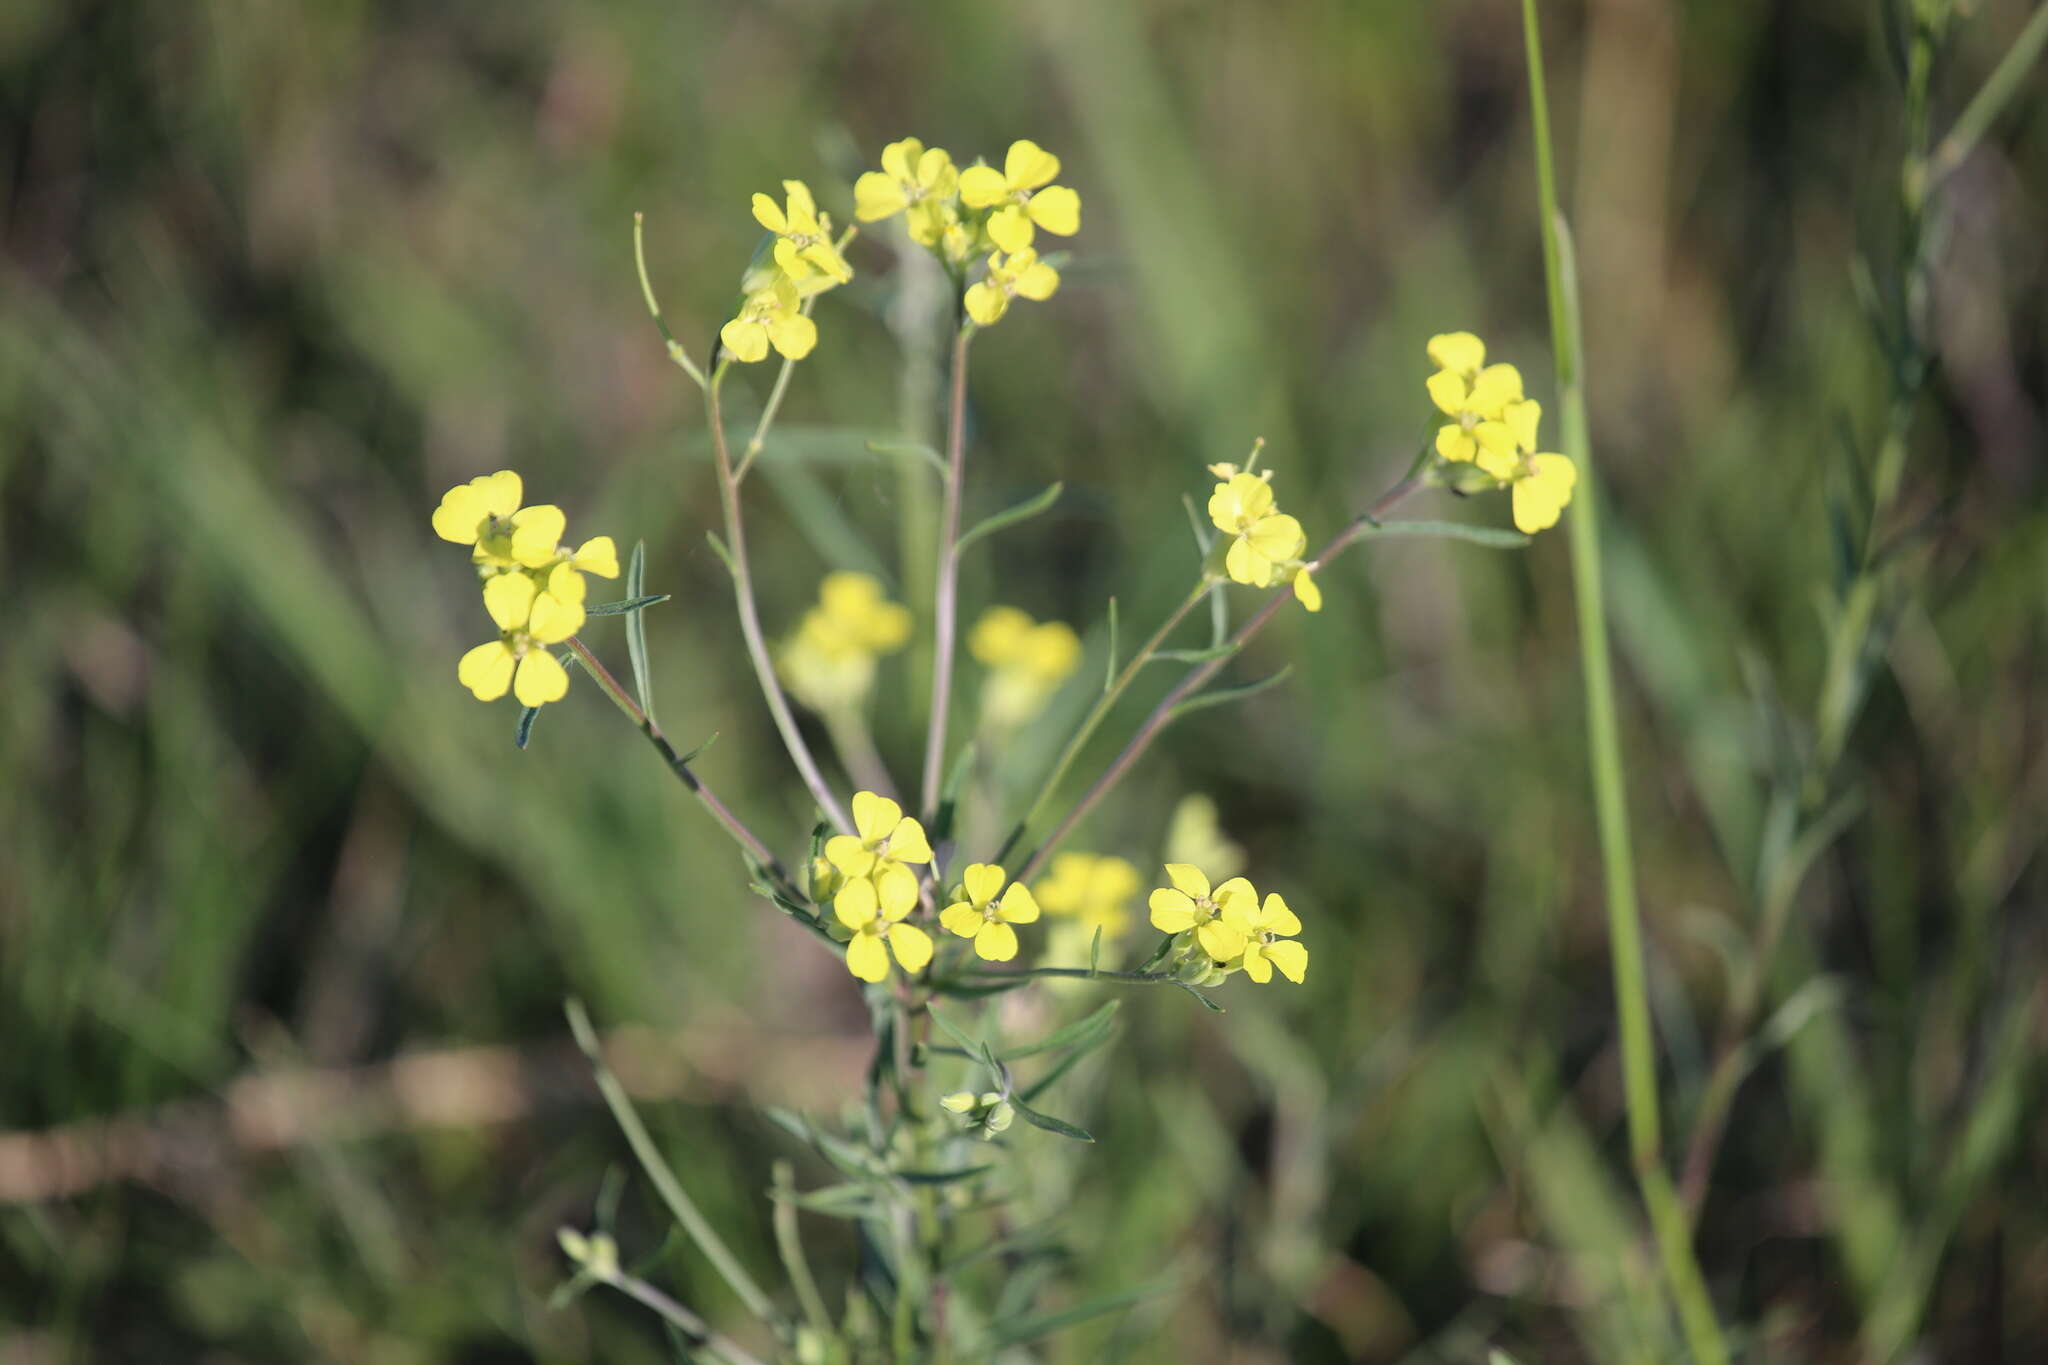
875, 921
1305, 590
528, 620
1270, 943
913, 178
1542, 492
830, 661
1266, 540
1220, 919
770, 317
1542, 483
1020, 275
884, 836
806, 247
1095, 891
473, 512
1468, 391
979, 915
1027, 661
1023, 203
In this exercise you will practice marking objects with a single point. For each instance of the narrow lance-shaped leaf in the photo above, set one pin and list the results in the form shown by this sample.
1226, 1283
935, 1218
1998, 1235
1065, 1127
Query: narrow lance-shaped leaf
1225, 695
625, 605
1490, 536
1001, 521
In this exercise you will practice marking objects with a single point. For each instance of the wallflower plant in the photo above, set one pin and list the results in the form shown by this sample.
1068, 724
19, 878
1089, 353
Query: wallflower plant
906, 885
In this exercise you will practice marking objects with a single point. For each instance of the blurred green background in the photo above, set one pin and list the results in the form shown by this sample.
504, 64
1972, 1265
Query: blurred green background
286, 921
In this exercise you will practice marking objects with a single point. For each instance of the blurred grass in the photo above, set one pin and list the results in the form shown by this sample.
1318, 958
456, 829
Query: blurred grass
274, 277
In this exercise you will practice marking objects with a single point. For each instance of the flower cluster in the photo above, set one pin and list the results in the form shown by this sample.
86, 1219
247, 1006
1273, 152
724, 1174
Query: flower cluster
805, 262
1491, 425
1265, 545
829, 661
986, 1114
1227, 928
867, 876
533, 585
1026, 660
979, 213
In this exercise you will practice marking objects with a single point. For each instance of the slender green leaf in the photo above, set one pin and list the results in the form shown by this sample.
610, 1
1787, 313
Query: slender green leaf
950, 1177
1490, 536
955, 1032
625, 605
850, 1200
1195, 656
1079, 1033
949, 794
916, 448
1224, 695
527, 716
1109, 670
636, 632
1048, 1122
1002, 521
1017, 1332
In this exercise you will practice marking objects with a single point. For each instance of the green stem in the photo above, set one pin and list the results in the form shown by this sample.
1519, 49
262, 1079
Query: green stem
694, 1329
1095, 716
1997, 92
675, 348
946, 593
750, 617
665, 1183
677, 764
1624, 917
789, 1241
1162, 714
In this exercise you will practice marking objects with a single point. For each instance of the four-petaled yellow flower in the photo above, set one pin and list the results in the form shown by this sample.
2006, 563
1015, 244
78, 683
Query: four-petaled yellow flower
1270, 943
1019, 275
981, 916
1220, 918
1025, 196
1266, 541
1468, 391
879, 855
915, 180
772, 316
876, 922
528, 620
806, 245
480, 510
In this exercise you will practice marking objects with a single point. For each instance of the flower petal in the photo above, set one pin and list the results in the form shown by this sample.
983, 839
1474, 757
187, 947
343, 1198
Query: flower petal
1278, 537
877, 196
509, 599
1255, 964
855, 904
1447, 391
898, 158
996, 942
461, 514
537, 534
1541, 498
850, 855
1010, 229
1057, 209
598, 555
794, 337
867, 959
1038, 282
1290, 957
746, 339
962, 919
487, 670
1455, 443
769, 214
913, 946
896, 885
907, 843
1220, 939
1495, 388
1172, 911
983, 186
1237, 901
1188, 880
1019, 905
983, 881
1461, 352
1276, 918
986, 304
1306, 592
874, 816
1029, 165
541, 679
554, 620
